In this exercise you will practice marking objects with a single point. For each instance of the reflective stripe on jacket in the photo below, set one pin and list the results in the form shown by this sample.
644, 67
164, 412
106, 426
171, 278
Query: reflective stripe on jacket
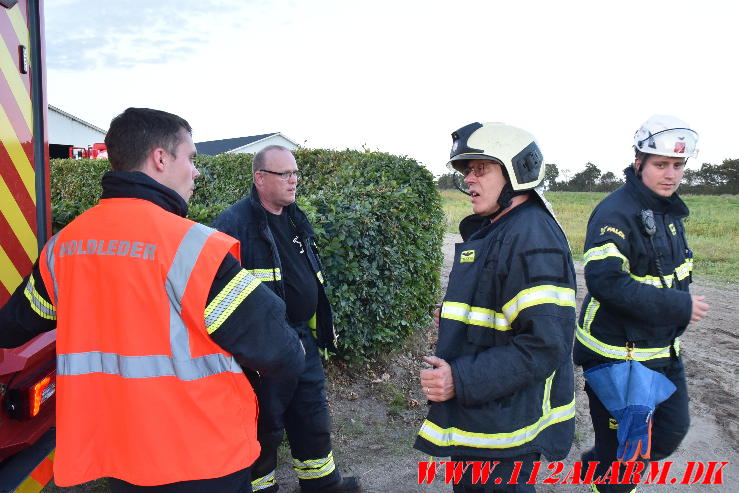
144, 394
506, 329
628, 311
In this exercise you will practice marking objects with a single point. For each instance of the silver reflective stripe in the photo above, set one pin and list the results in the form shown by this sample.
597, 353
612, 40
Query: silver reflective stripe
180, 364
144, 366
38, 303
264, 482
179, 274
50, 264
449, 437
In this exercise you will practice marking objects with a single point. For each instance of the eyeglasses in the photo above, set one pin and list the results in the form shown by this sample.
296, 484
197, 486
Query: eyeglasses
478, 170
285, 175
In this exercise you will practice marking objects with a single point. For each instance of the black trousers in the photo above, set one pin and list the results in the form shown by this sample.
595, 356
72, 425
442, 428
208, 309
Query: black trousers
238, 482
503, 471
670, 423
299, 407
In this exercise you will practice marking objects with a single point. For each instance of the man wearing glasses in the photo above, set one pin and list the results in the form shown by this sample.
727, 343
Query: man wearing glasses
501, 381
277, 246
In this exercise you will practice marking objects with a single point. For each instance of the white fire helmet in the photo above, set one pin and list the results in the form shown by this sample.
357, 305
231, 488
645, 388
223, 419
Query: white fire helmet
513, 147
666, 135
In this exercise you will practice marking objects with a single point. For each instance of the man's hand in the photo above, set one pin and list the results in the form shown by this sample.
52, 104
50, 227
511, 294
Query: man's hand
700, 308
437, 382
437, 314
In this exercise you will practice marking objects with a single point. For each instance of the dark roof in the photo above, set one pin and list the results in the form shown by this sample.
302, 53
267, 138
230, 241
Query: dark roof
213, 147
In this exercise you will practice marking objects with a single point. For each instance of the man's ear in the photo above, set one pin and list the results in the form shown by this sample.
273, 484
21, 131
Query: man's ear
158, 159
638, 163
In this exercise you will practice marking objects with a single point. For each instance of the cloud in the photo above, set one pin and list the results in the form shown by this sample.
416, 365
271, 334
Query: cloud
90, 34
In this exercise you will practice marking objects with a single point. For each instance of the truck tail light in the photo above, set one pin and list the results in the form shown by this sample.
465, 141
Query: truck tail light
26, 400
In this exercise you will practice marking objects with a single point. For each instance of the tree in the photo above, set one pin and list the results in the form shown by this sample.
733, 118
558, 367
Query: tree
550, 175
586, 180
608, 182
445, 181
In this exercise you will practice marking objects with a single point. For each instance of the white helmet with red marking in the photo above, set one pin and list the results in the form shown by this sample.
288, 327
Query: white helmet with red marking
666, 135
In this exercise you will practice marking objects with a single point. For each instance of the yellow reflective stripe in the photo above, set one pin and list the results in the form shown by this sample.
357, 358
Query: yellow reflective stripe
42, 307
314, 468
590, 312
474, 315
546, 403
449, 437
319, 275
266, 275
619, 352
230, 297
264, 482
681, 272
604, 251
538, 295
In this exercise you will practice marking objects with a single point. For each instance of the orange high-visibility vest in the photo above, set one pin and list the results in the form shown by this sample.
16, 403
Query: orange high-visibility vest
143, 393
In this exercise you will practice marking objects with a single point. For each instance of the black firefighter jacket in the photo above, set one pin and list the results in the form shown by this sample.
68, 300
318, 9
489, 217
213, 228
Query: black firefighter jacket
506, 328
246, 221
627, 302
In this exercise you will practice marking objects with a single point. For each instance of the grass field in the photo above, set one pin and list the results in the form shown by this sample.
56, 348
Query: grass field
713, 226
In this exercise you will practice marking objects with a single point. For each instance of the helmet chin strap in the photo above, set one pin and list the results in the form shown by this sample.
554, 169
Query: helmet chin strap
506, 195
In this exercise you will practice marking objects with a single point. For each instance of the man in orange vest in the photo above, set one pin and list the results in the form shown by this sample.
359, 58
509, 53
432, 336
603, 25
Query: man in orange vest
154, 316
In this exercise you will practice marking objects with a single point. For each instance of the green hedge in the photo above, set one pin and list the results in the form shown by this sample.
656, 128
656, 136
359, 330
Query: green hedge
378, 221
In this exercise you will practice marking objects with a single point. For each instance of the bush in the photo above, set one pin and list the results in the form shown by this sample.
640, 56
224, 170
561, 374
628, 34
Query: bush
378, 222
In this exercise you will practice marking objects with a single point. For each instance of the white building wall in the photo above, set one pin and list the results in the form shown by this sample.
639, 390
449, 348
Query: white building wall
255, 147
66, 131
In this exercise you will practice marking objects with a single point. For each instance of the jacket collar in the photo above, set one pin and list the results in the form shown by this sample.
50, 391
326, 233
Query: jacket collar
673, 205
138, 185
293, 211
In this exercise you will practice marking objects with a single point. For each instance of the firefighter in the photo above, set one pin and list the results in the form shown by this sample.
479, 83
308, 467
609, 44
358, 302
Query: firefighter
638, 268
501, 383
153, 314
277, 245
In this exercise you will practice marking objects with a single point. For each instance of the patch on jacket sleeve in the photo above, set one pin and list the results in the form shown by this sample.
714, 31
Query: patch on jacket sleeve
673, 230
612, 229
546, 264
467, 256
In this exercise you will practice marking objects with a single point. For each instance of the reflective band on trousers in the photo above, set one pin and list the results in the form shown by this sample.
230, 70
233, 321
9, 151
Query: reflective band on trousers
610, 250
314, 468
180, 364
538, 295
450, 437
264, 482
620, 352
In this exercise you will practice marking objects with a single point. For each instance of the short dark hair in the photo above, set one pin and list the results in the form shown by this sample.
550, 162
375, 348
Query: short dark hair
260, 158
137, 131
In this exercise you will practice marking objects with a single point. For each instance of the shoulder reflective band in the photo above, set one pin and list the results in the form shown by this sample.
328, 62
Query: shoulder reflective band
314, 468
450, 437
620, 352
42, 307
230, 297
180, 364
266, 275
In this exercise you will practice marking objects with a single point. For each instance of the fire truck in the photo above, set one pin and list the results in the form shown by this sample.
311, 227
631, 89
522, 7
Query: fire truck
27, 373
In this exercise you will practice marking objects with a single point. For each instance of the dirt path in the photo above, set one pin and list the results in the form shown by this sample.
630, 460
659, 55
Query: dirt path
377, 409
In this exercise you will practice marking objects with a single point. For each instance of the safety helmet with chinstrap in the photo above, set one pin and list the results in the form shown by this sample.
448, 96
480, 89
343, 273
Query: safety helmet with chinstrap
666, 135
514, 148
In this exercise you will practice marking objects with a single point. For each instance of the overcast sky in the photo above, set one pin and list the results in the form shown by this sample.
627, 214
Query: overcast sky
399, 76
